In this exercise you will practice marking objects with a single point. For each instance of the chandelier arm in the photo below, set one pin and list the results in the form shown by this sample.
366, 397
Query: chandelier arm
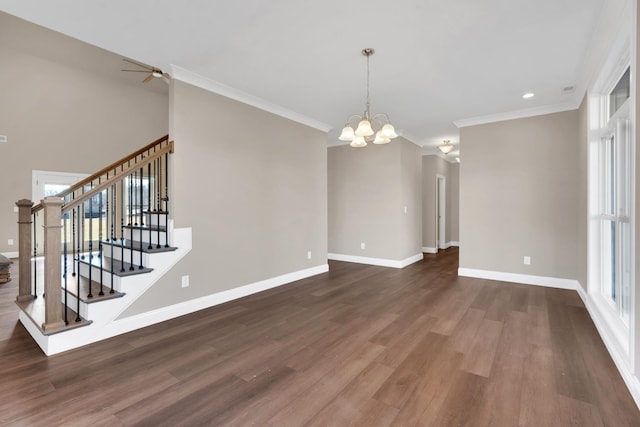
378, 116
357, 116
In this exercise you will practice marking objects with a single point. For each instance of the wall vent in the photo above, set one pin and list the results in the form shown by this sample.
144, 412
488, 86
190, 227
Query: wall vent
568, 89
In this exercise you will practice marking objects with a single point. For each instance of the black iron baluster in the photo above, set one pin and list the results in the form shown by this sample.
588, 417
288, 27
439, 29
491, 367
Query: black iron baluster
112, 244
73, 238
77, 215
159, 200
101, 293
150, 201
90, 295
35, 257
66, 296
166, 199
133, 180
122, 225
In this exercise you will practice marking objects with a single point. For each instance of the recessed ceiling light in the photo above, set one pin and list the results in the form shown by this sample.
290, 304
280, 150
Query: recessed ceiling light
528, 95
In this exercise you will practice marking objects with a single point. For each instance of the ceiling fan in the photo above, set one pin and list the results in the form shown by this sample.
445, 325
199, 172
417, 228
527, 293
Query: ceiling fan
152, 71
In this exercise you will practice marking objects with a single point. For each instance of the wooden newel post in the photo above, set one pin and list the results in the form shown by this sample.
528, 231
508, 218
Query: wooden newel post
24, 249
52, 263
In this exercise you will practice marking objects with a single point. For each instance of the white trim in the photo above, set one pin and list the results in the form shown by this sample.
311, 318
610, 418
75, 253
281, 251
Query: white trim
142, 320
519, 114
428, 250
550, 282
452, 243
11, 254
632, 382
376, 261
192, 78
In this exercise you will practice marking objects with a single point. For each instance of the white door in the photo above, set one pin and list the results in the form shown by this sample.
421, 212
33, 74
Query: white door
44, 184
441, 206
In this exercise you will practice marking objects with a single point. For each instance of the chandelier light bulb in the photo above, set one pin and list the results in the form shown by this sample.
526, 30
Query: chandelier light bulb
364, 128
358, 142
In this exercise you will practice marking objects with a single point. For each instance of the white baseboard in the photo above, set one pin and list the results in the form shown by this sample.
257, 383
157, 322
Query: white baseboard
429, 250
376, 261
10, 254
550, 282
450, 244
610, 341
165, 313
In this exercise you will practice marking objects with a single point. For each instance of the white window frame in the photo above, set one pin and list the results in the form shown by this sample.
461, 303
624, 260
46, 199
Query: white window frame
602, 127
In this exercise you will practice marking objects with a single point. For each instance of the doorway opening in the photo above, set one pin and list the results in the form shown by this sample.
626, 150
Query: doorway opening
441, 207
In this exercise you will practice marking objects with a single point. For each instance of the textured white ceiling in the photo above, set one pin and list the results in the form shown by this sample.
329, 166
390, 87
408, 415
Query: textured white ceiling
436, 61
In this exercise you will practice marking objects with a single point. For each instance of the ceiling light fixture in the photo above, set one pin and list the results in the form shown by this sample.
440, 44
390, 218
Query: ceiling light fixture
367, 125
446, 147
528, 95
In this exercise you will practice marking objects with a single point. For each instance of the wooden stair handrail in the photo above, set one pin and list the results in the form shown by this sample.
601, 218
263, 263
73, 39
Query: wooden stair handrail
117, 177
104, 170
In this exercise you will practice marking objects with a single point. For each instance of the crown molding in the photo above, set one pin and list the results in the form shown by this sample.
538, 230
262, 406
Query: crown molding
192, 78
518, 114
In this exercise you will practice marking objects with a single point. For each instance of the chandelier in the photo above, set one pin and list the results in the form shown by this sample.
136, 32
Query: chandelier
368, 126
446, 147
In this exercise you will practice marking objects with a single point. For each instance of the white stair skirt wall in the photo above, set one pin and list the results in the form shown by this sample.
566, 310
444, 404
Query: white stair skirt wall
632, 381
377, 261
103, 314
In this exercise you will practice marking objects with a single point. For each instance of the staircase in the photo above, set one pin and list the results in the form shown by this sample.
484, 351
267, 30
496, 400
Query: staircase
107, 240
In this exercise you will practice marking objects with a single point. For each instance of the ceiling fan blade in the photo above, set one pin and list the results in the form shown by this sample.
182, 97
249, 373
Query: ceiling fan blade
146, 67
148, 79
136, 71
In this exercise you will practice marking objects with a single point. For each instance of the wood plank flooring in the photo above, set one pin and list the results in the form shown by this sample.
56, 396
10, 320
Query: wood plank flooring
360, 345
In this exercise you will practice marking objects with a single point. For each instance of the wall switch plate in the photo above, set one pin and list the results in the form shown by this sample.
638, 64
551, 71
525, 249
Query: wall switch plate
3, 138
185, 281
10, 242
362, 245
405, 209
308, 254
15, 209
527, 260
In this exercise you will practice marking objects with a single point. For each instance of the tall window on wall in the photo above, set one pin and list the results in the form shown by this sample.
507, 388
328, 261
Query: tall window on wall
611, 198
614, 158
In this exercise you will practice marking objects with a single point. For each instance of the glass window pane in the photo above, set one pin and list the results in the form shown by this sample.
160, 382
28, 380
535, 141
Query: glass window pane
620, 92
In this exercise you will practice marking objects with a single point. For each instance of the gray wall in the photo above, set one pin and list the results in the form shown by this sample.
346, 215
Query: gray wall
519, 195
432, 166
252, 185
368, 189
65, 107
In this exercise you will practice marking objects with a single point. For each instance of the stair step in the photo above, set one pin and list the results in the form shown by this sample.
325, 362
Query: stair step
146, 227
128, 244
120, 269
72, 289
35, 310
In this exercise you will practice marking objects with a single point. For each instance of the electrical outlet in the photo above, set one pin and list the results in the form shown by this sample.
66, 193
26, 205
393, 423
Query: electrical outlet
10, 242
308, 254
185, 281
362, 245
527, 260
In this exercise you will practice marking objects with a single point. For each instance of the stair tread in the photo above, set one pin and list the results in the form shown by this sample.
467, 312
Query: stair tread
35, 309
146, 227
136, 246
72, 289
156, 212
120, 268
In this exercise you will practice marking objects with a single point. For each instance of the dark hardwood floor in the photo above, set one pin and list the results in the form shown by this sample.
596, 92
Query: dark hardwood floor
360, 345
